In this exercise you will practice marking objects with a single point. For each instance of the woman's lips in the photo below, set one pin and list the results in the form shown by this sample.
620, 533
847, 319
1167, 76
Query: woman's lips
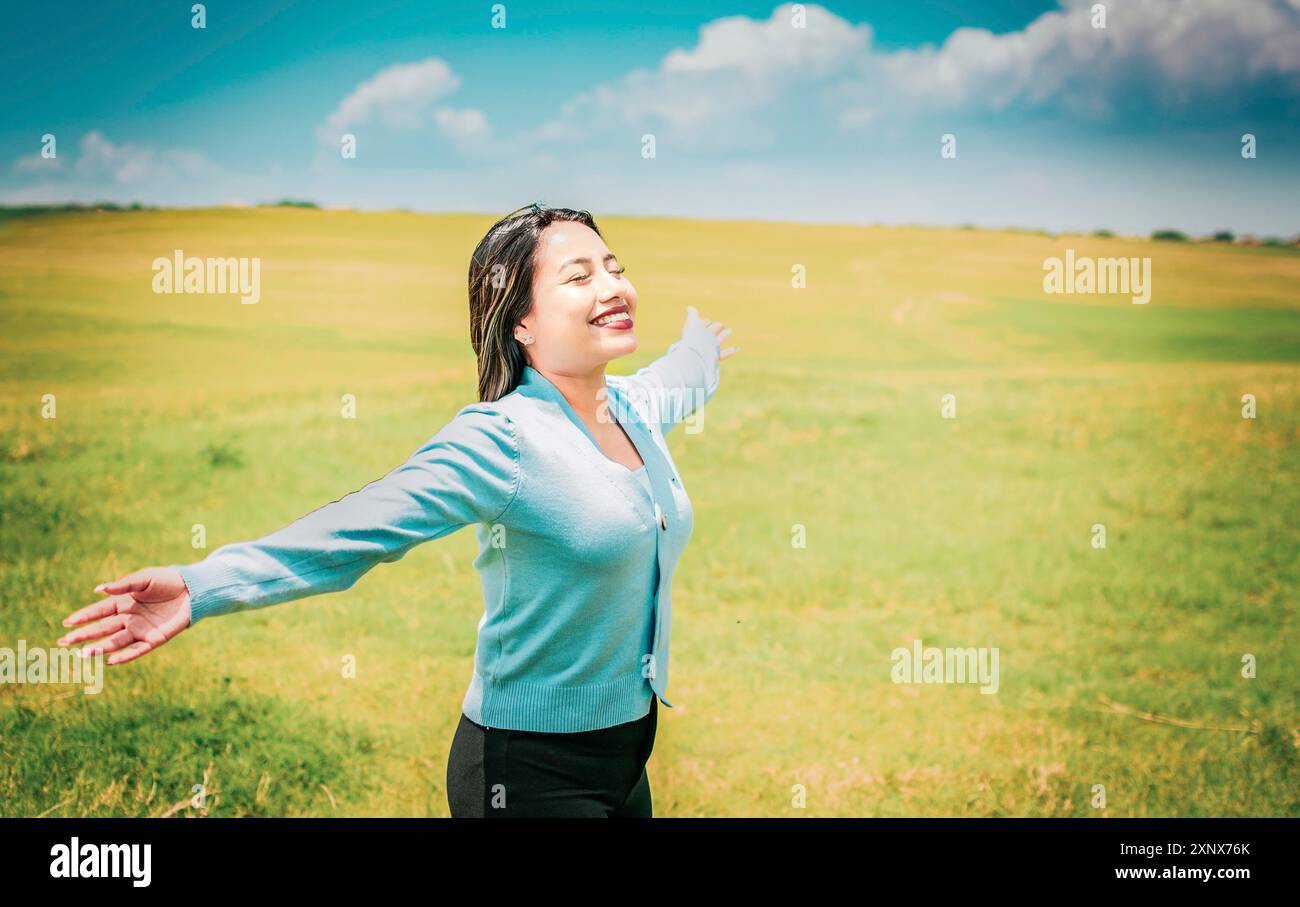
618, 318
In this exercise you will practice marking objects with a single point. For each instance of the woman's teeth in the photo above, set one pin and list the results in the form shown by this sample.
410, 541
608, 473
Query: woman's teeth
612, 317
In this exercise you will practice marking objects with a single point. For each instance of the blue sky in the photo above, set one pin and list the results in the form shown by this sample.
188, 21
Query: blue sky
1057, 123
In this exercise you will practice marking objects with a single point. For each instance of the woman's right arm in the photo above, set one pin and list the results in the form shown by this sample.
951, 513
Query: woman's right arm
467, 473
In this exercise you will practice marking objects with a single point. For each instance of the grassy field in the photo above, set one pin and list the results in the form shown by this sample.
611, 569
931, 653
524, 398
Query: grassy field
976, 531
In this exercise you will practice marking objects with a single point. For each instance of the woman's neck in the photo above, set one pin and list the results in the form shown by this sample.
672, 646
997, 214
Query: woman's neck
585, 393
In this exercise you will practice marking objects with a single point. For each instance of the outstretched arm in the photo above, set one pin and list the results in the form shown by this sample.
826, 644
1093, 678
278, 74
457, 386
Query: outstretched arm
466, 473
677, 385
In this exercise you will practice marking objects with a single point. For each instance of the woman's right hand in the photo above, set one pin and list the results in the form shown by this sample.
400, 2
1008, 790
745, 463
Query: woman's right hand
143, 610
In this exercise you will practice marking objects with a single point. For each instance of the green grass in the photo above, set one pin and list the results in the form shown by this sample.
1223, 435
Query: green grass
974, 531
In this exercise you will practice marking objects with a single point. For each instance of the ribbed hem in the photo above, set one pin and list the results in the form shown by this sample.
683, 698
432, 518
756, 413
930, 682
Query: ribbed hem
206, 580
518, 706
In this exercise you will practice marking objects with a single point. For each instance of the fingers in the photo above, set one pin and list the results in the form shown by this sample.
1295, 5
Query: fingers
695, 314
130, 653
132, 582
717, 328
91, 612
97, 630
112, 644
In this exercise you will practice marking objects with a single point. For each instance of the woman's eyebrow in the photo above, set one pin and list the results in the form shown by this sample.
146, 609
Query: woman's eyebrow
584, 261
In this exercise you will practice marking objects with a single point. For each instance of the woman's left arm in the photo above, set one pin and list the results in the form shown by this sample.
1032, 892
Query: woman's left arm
679, 383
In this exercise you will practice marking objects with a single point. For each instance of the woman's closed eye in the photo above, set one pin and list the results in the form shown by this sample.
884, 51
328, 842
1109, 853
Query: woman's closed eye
618, 271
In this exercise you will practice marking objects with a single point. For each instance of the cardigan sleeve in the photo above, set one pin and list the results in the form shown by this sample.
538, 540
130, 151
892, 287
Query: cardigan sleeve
678, 384
466, 473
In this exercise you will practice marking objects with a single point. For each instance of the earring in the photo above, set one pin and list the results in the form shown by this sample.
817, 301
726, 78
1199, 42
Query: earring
526, 339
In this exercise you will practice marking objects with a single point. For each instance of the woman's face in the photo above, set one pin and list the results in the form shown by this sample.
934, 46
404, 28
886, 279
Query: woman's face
583, 306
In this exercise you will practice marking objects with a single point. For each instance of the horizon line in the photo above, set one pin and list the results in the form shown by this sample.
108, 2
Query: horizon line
1170, 233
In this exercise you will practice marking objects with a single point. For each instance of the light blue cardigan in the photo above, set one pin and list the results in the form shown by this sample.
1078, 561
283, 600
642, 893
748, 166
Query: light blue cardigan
574, 556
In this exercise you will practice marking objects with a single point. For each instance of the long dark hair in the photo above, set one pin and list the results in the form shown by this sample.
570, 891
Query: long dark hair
501, 292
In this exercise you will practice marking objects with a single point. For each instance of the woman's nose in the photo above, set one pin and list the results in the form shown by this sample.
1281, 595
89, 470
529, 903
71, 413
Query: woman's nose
609, 286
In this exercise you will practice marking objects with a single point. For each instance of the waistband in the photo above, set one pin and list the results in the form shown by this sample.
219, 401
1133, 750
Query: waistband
633, 731
522, 706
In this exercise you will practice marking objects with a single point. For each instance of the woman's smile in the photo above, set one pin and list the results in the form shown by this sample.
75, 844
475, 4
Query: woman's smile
617, 318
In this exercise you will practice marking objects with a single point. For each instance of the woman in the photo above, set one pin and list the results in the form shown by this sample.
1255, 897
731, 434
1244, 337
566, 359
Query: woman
581, 517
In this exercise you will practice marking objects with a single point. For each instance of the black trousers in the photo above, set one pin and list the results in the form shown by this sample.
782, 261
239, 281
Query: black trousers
500, 773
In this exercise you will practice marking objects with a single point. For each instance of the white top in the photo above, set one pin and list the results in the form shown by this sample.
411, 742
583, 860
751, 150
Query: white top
645, 479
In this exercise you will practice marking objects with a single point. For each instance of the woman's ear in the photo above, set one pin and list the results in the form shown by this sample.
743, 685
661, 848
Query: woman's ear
524, 338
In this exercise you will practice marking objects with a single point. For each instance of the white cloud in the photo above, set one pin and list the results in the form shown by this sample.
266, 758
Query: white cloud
855, 117
138, 164
101, 169
36, 163
401, 96
1159, 57
772, 46
706, 95
461, 124
1172, 53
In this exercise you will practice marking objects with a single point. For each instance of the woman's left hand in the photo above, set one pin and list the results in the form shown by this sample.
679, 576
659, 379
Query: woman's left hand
693, 319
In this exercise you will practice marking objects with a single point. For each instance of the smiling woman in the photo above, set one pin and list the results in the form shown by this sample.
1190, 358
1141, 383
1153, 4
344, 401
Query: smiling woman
581, 520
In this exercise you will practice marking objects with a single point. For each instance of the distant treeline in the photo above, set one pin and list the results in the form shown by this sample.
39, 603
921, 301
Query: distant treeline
1222, 236
18, 210
13, 210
